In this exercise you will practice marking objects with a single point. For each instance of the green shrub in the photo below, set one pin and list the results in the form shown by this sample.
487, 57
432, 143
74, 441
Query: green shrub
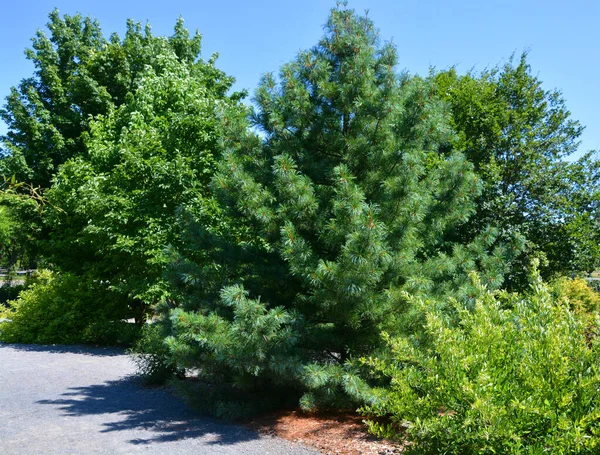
64, 309
581, 297
106, 332
517, 375
9, 292
151, 356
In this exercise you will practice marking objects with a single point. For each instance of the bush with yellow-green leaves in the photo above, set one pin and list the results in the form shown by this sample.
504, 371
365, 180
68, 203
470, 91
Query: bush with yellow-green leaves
63, 309
578, 294
517, 375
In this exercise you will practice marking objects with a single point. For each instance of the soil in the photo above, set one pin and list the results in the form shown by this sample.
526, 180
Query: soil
339, 434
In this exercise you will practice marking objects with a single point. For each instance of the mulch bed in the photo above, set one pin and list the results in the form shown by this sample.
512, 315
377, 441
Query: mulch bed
339, 434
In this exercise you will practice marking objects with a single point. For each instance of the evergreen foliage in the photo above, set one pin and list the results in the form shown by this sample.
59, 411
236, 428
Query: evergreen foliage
349, 197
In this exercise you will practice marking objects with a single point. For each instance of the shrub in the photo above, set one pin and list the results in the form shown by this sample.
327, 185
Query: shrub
515, 376
9, 292
151, 358
578, 294
62, 309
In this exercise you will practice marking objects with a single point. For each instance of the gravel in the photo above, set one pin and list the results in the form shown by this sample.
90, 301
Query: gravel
81, 400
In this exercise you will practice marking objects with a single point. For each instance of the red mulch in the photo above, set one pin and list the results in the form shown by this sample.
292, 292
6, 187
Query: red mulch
339, 434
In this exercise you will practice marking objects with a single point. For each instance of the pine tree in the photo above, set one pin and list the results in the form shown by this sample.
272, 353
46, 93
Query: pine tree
348, 196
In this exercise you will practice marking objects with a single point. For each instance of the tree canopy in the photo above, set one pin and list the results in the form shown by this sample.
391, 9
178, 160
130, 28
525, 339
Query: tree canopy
132, 127
519, 137
78, 74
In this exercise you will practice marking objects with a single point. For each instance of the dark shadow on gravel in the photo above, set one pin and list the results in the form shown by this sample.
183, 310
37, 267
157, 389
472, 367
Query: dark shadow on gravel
128, 406
62, 349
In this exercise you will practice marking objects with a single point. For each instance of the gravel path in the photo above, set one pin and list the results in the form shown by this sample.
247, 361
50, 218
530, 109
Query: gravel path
57, 400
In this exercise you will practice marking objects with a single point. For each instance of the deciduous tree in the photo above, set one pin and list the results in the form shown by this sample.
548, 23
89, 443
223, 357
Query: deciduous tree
78, 74
519, 136
146, 159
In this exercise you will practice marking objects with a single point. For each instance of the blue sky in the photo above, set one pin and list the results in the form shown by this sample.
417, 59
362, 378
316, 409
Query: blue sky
256, 37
